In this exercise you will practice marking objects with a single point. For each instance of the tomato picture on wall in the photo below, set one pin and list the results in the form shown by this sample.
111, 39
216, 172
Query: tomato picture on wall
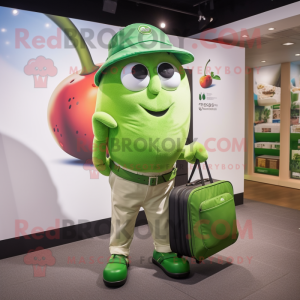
206, 80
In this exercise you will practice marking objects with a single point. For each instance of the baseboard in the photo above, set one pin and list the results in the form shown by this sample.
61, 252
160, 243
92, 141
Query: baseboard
17, 246
239, 199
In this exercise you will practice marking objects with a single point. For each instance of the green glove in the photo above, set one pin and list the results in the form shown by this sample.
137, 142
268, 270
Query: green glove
192, 152
101, 124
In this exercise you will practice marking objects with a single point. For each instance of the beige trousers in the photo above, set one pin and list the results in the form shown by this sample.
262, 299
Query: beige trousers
127, 198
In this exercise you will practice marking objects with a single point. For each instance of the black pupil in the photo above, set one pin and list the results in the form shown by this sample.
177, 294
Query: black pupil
166, 70
139, 71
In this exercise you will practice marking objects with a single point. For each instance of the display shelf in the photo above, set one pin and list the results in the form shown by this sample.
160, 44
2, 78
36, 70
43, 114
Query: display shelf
268, 171
295, 137
267, 137
288, 141
294, 144
263, 151
276, 180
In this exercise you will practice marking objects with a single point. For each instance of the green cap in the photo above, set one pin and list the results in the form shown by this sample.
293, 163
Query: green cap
137, 39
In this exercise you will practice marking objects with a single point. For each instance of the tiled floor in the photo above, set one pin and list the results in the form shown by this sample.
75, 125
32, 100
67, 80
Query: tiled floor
265, 265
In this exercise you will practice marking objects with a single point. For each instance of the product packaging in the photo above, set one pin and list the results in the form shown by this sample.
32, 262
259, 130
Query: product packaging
276, 114
296, 175
274, 164
275, 146
268, 127
261, 162
267, 161
295, 128
264, 145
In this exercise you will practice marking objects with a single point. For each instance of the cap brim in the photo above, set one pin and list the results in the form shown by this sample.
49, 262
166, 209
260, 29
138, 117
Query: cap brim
183, 56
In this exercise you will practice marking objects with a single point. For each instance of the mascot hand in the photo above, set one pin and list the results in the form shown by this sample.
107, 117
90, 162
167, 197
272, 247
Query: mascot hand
194, 151
101, 162
101, 124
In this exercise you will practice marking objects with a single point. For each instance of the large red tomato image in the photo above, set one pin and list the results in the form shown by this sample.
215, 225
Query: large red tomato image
70, 112
73, 102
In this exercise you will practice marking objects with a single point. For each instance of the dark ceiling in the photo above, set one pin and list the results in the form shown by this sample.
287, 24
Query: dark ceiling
225, 11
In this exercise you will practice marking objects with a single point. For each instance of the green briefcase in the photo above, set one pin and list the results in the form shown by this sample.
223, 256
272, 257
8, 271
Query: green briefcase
202, 217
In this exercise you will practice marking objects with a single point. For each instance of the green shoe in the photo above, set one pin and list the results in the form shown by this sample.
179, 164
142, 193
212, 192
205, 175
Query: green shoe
171, 264
115, 272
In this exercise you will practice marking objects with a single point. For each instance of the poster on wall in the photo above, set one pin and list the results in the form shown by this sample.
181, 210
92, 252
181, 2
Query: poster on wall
218, 106
267, 98
295, 121
48, 97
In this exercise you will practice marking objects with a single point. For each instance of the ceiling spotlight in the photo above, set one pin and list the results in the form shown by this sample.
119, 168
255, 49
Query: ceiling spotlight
200, 15
162, 25
211, 19
47, 25
245, 35
288, 44
298, 54
110, 6
7, 43
263, 61
271, 28
3, 30
15, 12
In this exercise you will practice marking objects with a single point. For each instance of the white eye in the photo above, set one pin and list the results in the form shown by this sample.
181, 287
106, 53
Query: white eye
169, 76
135, 77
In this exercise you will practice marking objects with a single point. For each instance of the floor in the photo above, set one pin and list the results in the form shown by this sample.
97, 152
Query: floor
272, 194
263, 264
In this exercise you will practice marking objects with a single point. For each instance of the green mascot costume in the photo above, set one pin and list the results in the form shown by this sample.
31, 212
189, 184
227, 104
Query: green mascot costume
142, 116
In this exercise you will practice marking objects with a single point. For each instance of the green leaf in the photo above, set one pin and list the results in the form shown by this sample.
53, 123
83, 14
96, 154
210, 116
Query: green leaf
203, 96
212, 74
217, 77
200, 97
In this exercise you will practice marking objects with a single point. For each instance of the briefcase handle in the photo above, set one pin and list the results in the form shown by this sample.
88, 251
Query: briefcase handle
197, 163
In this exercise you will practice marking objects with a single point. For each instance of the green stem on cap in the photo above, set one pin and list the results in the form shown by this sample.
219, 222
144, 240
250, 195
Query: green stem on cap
205, 67
70, 30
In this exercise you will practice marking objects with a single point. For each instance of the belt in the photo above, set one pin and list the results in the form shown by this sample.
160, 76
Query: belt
142, 179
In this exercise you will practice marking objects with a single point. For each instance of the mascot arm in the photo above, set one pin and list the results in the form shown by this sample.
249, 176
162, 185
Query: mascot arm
101, 124
192, 152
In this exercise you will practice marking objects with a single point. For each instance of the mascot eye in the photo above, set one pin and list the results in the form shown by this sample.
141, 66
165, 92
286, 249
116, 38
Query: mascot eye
139, 71
169, 76
135, 77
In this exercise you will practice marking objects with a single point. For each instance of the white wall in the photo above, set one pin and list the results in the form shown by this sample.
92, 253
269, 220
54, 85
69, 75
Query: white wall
219, 130
39, 183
